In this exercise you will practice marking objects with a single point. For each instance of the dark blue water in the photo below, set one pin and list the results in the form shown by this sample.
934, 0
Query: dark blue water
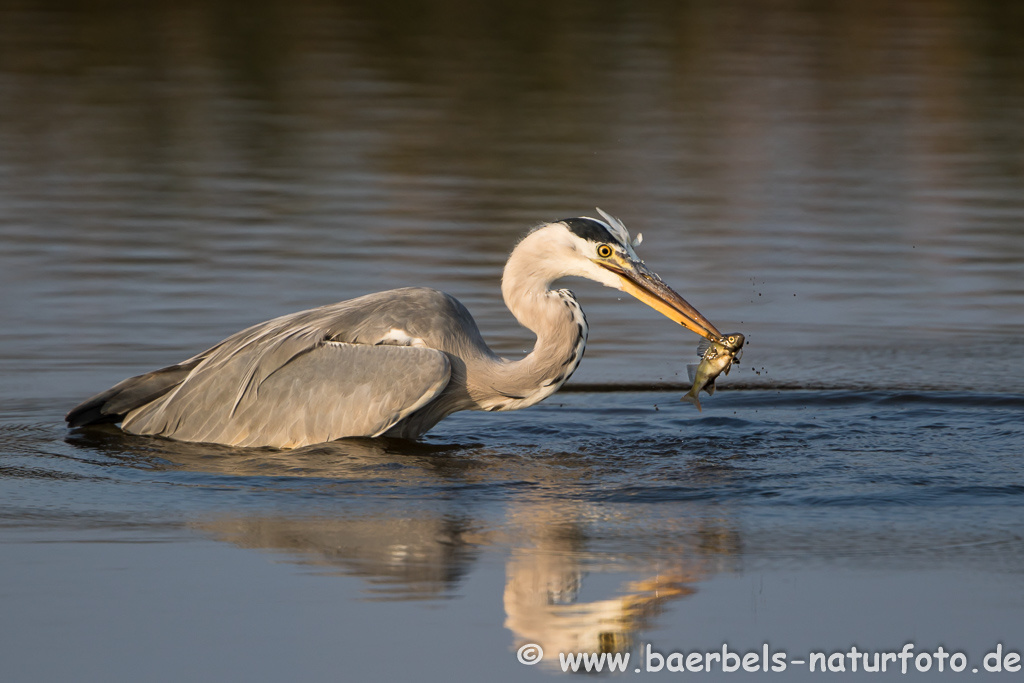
765, 452
607, 513
843, 184
765, 455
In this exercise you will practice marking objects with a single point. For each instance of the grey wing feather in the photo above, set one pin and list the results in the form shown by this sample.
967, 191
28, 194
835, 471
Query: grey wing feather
114, 403
303, 378
324, 391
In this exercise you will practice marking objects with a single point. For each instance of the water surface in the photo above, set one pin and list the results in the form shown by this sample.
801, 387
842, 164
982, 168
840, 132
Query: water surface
844, 184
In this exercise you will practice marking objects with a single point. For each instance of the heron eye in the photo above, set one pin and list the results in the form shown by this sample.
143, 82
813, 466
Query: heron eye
604, 251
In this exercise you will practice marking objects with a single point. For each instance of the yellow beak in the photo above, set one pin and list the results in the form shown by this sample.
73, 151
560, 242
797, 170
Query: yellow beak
644, 284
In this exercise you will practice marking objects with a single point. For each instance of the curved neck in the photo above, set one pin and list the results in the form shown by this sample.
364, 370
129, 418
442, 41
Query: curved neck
552, 315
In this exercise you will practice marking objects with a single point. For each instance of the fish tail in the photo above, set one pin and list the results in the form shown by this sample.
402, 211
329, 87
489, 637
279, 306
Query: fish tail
692, 398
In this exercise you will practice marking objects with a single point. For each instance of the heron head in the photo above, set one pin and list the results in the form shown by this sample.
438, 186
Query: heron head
604, 251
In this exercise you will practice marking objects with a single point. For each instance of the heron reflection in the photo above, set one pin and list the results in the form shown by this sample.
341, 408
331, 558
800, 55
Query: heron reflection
426, 556
423, 542
547, 571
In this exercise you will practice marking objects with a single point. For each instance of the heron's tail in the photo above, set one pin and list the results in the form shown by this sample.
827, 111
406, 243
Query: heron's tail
115, 403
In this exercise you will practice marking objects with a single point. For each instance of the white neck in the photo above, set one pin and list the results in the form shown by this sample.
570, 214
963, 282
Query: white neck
552, 315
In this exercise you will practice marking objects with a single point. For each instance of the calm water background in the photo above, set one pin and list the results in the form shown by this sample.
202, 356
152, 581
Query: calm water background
843, 182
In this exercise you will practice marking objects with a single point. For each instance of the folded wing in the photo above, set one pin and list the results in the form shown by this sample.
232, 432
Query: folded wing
312, 393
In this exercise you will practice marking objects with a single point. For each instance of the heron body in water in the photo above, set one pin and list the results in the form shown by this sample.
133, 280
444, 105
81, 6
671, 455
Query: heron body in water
393, 363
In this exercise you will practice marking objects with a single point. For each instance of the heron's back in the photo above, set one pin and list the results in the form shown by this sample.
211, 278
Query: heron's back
307, 377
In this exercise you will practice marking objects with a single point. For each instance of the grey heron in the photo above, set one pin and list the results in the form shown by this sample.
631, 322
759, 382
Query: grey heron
393, 363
